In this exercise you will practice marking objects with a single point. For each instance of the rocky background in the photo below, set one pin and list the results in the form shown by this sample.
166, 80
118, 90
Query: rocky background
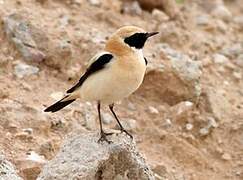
187, 117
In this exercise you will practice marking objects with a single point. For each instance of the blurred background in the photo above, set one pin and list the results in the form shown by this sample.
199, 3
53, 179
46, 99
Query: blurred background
187, 117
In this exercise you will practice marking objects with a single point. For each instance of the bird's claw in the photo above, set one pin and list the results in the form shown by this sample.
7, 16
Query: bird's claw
103, 137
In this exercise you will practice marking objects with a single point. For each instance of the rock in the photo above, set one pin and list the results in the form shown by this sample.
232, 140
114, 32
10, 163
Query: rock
20, 32
208, 128
106, 118
239, 60
237, 75
31, 165
189, 126
153, 110
204, 131
221, 12
132, 8
168, 6
167, 123
233, 50
7, 170
220, 59
21, 70
159, 15
81, 157
61, 55
203, 20
181, 110
216, 102
226, 156
94, 2
239, 20
178, 77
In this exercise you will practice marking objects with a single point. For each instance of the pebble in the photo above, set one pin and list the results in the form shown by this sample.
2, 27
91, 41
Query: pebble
239, 20
33, 156
28, 130
21, 70
212, 122
203, 20
220, 59
189, 126
237, 75
159, 15
239, 60
204, 131
167, 123
132, 8
153, 110
106, 118
221, 12
226, 156
94, 2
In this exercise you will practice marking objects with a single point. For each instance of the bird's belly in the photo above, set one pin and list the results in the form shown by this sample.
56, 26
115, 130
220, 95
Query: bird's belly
108, 86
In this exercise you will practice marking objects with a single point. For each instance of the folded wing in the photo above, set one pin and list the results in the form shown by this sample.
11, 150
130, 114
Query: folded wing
96, 64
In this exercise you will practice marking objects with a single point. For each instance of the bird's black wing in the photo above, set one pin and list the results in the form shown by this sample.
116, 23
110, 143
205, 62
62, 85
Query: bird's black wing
97, 65
146, 61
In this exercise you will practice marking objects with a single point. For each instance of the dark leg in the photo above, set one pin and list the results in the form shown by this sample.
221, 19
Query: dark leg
102, 133
114, 114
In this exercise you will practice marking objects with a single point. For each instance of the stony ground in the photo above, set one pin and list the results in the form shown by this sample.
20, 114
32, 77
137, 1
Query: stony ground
187, 117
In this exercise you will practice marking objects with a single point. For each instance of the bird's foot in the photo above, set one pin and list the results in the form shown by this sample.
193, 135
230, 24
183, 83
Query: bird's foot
104, 138
125, 131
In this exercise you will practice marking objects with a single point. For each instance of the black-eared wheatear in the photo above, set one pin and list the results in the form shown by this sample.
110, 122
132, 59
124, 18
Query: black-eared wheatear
111, 75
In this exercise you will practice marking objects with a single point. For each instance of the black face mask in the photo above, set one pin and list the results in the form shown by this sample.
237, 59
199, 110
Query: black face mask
138, 40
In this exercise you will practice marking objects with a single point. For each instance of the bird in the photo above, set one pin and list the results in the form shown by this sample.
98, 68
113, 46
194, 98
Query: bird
112, 74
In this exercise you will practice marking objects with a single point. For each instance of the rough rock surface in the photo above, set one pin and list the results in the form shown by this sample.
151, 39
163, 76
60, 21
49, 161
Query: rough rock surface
7, 170
82, 157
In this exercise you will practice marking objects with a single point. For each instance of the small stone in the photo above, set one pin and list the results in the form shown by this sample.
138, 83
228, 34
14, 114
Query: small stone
31, 165
23, 136
28, 130
160, 15
132, 8
106, 118
239, 20
21, 70
153, 110
212, 122
220, 59
203, 20
94, 2
226, 156
239, 60
189, 126
204, 131
221, 12
237, 75
57, 95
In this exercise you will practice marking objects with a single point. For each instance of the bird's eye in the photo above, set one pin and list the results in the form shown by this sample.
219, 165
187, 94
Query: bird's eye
136, 40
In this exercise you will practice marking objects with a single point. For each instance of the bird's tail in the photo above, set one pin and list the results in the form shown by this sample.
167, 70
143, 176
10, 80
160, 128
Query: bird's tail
60, 104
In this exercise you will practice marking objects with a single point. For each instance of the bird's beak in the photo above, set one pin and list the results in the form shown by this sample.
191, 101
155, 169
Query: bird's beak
151, 34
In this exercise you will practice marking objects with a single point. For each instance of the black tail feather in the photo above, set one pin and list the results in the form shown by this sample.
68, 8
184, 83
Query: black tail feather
58, 105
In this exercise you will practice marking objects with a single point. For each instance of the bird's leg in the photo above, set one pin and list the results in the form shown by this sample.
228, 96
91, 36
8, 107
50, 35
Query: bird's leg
102, 133
121, 128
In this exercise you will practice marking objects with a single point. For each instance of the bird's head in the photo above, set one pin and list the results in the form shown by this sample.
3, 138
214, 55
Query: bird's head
128, 38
